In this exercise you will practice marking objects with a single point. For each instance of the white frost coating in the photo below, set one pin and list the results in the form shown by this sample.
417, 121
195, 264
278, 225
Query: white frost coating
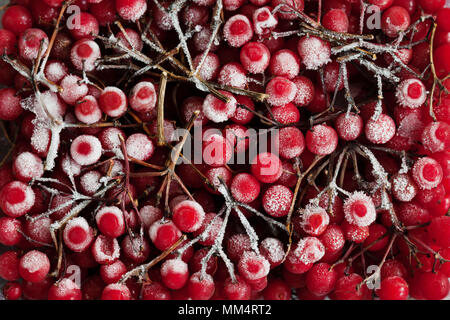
263, 26
154, 228
422, 179
364, 203
111, 210
277, 200
281, 91
94, 152
305, 91
174, 266
73, 89
210, 67
88, 111
55, 71
285, 63
315, 220
69, 166
114, 110
380, 131
132, 11
233, 75
246, 263
411, 127
189, 205
314, 52
82, 62
29, 165
22, 207
404, 98
66, 286
33, 261
90, 182
78, 222
403, 188
139, 146
217, 110
237, 40
430, 138
149, 214
202, 39
99, 253
272, 249
143, 102
309, 250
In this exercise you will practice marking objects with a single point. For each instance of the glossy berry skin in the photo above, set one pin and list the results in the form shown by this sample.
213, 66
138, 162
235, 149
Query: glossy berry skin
200, 287
188, 216
17, 19
164, 234
439, 231
110, 221
336, 20
277, 289
433, 286
346, 288
65, 289
394, 20
12, 291
393, 288
320, 280
116, 292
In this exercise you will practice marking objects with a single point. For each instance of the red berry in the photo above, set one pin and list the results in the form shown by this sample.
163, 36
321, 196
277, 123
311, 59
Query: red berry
393, 288
116, 292
321, 279
12, 291
34, 266
321, 140
200, 287
17, 19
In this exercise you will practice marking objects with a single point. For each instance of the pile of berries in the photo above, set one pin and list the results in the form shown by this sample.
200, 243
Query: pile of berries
225, 149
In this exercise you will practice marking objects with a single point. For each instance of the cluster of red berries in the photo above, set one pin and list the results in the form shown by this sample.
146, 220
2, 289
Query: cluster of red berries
95, 204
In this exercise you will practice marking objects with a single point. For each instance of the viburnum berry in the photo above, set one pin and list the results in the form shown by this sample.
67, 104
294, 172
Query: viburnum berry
411, 93
12, 290
66, 289
439, 231
9, 266
436, 137
315, 220
110, 221
174, 273
84, 54
264, 21
253, 266
245, 188
427, 173
433, 286
78, 235
28, 166
277, 200
314, 52
354, 232
30, 42
431, 6
321, 279
10, 108
155, 291
164, 233
34, 266
17, 19
10, 231
273, 250
136, 249
349, 126
217, 151
113, 102
188, 216
237, 290
217, 110
16, 199
209, 66
305, 91
143, 97
87, 27
321, 139
86, 150
116, 291
200, 287
139, 146
105, 250
237, 30
336, 20
255, 57
347, 288
72, 89
403, 187
359, 209
381, 130
394, 20
266, 167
